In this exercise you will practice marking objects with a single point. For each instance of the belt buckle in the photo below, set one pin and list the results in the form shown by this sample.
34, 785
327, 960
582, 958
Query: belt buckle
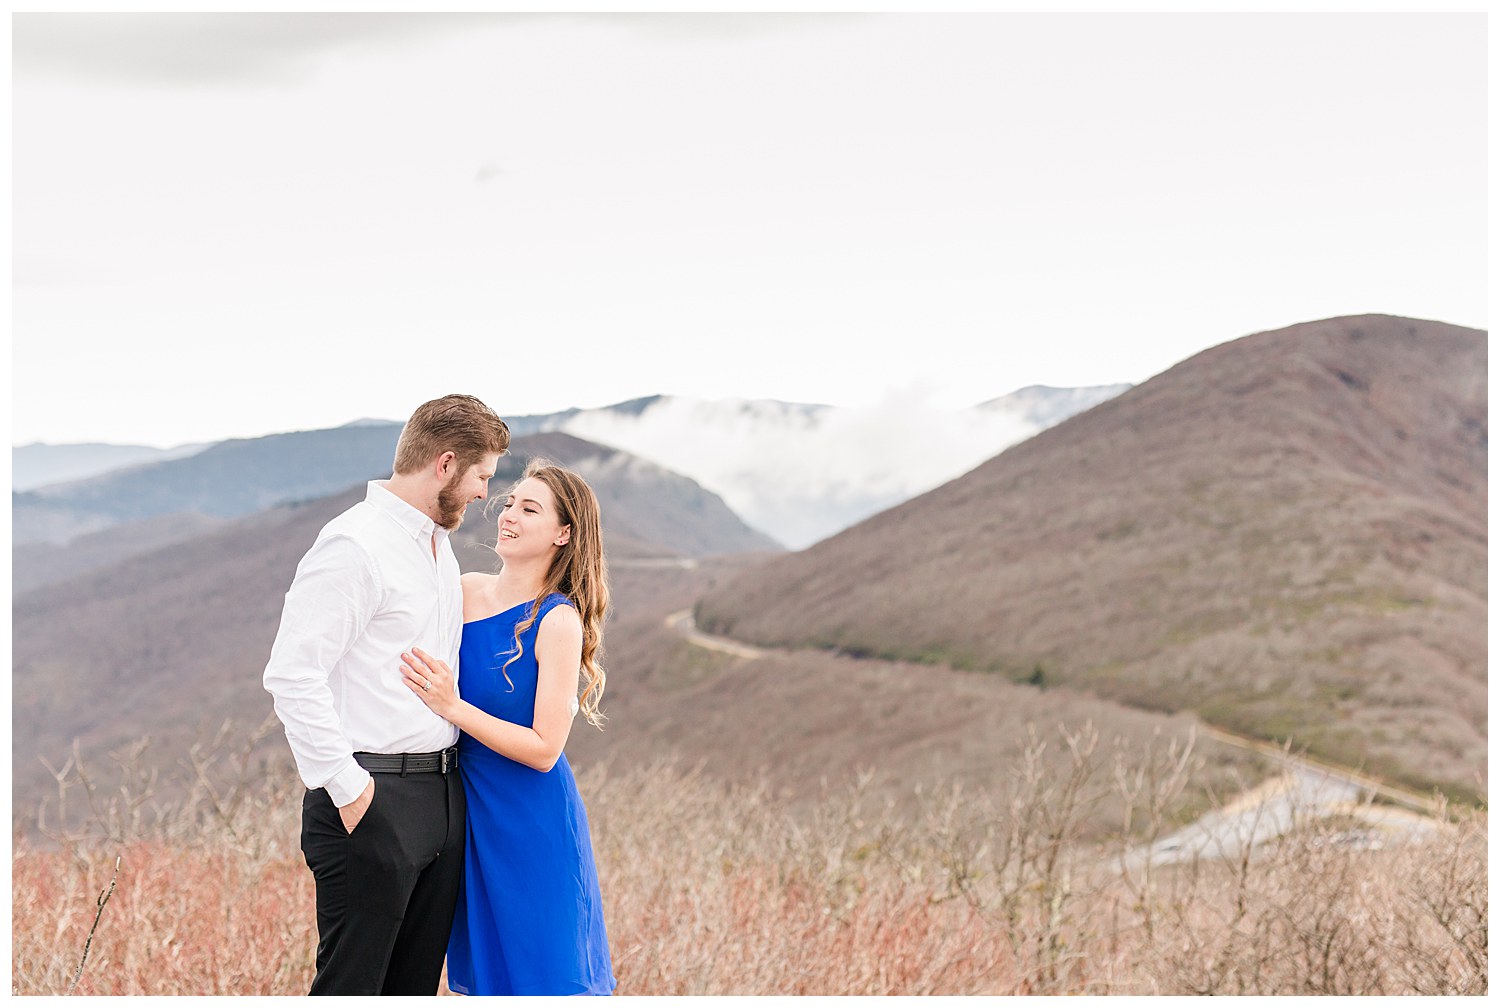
443, 762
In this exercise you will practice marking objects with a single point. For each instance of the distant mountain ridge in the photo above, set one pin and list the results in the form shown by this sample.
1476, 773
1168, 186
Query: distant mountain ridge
829, 466
647, 510
1286, 533
801, 472
240, 477
225, 480
39, 465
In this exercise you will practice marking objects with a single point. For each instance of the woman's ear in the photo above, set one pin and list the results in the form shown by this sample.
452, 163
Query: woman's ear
562, 540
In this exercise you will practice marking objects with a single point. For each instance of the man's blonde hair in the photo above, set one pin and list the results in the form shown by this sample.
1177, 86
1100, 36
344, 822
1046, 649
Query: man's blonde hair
457, 423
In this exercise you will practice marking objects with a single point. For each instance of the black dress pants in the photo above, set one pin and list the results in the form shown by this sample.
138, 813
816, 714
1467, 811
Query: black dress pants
386, 892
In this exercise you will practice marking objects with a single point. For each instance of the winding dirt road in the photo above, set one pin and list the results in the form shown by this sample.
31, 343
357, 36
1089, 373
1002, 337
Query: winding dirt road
1305, 790
682, 622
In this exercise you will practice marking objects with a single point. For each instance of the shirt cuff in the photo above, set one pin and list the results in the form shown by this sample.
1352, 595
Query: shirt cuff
348, 784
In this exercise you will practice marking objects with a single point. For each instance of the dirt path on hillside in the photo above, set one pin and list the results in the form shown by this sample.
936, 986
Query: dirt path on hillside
1403, 797
1305, 789
682, 622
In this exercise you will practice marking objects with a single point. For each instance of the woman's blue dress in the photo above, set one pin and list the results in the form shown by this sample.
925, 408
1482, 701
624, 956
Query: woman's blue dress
529, 917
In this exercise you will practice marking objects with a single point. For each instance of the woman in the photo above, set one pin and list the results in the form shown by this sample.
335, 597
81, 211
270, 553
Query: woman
529, 918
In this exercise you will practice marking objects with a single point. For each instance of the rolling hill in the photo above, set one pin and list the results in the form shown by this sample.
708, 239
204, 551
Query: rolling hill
1285, 534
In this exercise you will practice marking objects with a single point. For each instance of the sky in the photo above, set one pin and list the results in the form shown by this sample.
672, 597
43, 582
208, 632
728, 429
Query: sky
230, 225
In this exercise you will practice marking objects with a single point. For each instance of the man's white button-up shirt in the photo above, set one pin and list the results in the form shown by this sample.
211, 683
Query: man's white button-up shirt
368, 589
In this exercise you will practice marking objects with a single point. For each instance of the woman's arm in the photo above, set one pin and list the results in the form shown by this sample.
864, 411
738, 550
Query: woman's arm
559, 652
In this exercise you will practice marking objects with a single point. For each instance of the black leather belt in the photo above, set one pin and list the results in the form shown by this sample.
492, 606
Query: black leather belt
405, 763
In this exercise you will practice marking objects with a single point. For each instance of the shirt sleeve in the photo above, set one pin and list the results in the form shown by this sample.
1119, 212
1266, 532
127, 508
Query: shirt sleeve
332, 599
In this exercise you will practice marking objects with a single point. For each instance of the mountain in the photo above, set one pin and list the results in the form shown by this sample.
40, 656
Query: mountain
38, 465
170, 645
829, 466
1286, 534
1042, 406
162, 644
240, 477
647, 510
225, 480
34, 564
172, 638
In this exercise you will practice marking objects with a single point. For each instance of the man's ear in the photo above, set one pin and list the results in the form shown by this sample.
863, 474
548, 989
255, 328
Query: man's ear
444, 463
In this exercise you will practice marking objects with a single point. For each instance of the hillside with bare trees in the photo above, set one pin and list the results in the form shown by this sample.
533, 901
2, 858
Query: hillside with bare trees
1285, 534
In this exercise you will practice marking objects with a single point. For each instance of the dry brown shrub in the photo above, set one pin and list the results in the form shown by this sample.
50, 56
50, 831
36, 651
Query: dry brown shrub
181, 922
1308, 914
211, 897
725, 889
727, 893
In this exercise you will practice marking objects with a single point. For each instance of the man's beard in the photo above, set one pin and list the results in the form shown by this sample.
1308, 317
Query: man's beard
451, 504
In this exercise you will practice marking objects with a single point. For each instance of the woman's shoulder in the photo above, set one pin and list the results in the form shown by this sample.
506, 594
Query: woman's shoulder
560, 625
558, 608
557, 600
477, 588
476, 580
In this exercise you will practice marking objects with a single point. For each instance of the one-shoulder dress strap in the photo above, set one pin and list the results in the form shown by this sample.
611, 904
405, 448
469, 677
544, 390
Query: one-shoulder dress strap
551, 602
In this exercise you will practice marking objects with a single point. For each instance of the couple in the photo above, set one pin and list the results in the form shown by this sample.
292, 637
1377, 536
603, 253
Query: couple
377, 630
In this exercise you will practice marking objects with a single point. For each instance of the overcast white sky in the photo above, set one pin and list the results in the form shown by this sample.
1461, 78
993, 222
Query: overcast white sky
228, 225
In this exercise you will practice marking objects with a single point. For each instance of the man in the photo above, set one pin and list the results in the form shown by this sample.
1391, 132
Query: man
383, 819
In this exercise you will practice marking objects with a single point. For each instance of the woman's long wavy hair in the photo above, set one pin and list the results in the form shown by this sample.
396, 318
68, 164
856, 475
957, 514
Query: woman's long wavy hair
578, 571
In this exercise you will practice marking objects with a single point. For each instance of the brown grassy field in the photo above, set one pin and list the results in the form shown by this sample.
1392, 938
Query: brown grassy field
719, 888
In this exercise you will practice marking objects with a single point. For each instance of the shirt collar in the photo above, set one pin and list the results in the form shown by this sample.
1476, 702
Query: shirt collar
414, 522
